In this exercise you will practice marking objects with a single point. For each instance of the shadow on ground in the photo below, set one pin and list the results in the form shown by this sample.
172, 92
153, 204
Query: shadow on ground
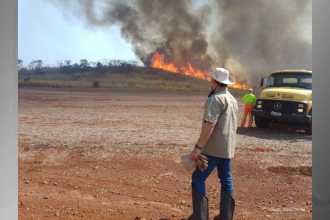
276, 131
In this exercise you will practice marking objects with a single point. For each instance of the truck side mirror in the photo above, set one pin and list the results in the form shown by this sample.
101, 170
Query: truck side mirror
263, 81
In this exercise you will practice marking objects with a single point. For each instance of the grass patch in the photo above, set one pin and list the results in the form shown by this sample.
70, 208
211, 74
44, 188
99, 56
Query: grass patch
139, 79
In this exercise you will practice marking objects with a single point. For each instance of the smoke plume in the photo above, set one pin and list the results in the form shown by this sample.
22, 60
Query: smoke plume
251, 38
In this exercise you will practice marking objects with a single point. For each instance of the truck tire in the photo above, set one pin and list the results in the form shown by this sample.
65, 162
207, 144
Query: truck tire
261, 122
308, 128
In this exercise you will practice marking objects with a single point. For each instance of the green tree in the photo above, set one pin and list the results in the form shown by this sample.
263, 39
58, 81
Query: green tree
84, 65
39, 64
32, 64
20, 64
59, 64
66, 68
67, 62
99, 67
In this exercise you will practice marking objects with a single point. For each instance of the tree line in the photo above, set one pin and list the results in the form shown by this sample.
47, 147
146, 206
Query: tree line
67, 67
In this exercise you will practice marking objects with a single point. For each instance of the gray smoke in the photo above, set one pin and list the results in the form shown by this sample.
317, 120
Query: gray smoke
262, 36
249, 37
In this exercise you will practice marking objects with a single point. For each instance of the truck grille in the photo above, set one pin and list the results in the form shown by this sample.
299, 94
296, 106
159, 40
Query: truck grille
288, 107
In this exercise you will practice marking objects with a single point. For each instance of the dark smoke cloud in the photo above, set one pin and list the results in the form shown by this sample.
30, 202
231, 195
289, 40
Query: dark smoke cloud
250, 37
262, 36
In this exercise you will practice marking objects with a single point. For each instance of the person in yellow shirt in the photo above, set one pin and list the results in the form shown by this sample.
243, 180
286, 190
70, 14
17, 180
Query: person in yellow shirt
250, 101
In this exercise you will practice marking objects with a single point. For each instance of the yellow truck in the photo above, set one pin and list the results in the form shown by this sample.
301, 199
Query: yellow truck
286, 97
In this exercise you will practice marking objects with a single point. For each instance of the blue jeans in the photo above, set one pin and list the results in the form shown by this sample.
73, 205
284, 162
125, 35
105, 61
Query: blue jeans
224, 173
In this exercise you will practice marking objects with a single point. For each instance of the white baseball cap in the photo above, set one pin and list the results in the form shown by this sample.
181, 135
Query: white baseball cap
222, 75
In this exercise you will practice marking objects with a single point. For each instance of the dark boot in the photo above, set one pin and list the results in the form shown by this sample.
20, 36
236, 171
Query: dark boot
200, 206
227, 206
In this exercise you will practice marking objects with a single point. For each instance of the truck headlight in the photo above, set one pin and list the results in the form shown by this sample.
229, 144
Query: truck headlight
300, 110
258, 106
259, 102
300, 105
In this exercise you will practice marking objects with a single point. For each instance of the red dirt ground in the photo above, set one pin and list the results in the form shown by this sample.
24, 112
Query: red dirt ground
116, 155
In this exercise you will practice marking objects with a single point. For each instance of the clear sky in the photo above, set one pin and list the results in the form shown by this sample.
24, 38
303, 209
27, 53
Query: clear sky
44, 33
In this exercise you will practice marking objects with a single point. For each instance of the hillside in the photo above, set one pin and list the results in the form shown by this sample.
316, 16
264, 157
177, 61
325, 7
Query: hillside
120, 78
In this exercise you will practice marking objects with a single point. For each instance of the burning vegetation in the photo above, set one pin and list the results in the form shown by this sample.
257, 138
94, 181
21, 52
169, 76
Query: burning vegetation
157, 61
250, 38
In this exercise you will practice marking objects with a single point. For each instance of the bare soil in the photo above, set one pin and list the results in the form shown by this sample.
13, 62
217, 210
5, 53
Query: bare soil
116, 155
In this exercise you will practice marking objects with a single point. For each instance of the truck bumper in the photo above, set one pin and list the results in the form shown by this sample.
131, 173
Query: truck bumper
285, 117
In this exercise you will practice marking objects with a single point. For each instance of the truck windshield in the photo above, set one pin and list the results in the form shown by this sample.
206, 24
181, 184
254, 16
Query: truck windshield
300, 80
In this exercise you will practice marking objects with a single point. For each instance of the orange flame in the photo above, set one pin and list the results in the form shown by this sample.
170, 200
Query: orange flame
194, 73
157, 62
238, 85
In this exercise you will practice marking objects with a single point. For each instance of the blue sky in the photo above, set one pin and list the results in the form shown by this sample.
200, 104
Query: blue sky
44, 33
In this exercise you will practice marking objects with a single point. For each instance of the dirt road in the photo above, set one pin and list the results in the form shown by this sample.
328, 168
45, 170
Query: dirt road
116, 155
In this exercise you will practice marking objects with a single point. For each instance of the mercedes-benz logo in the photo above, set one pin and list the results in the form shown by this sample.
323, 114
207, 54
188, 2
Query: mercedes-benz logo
277, 106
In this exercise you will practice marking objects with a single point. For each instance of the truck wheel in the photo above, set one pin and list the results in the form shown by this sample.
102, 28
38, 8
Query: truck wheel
261, 122
308, 128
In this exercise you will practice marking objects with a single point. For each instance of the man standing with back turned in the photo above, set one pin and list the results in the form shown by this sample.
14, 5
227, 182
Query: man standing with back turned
217, 143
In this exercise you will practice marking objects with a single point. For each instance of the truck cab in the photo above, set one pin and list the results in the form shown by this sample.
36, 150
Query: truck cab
286, 97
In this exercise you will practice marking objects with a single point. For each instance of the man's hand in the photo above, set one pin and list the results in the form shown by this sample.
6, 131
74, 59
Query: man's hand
194, 154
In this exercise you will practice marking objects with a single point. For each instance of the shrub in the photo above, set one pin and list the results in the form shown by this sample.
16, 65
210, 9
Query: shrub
39, 71
96, 84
